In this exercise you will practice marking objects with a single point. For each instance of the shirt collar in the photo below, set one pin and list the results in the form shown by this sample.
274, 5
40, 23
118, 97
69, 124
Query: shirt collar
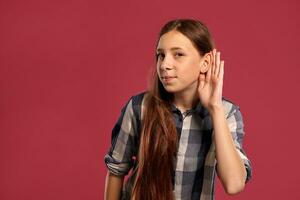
198, 109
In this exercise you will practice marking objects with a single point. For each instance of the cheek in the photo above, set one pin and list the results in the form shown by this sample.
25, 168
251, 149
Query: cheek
191, 71
157, 70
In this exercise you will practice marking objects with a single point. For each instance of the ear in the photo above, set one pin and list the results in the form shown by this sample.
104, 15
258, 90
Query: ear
206, 62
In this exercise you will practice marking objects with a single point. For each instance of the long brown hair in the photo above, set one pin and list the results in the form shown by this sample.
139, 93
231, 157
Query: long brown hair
158, 142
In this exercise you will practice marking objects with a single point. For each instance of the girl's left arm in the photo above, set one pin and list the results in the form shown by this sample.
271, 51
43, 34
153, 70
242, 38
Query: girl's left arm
230, 167
231, 162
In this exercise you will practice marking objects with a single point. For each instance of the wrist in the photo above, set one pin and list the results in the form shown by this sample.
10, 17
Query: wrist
216, 109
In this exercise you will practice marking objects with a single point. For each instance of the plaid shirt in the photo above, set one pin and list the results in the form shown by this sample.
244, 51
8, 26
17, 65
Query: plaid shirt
195, 163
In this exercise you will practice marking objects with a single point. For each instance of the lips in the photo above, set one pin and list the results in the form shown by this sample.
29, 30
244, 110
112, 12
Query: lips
168, 77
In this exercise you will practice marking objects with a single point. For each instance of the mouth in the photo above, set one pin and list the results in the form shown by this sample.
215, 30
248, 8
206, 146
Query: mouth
168, 78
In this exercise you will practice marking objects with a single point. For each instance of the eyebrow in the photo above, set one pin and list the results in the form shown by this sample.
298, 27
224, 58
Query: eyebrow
173, 48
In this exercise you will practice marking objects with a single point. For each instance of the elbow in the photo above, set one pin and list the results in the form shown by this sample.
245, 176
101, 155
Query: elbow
234, 188
235, 184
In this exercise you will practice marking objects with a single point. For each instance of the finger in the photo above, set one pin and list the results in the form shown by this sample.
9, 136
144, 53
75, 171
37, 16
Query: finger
201, 77
221, 74
213, 62
201, 80
208, 74
217, 66
211, 66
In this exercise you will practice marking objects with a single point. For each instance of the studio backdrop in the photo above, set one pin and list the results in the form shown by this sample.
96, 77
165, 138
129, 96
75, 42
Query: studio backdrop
68, 67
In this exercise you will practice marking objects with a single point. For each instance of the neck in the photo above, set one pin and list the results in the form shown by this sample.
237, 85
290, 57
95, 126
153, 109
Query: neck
185, 100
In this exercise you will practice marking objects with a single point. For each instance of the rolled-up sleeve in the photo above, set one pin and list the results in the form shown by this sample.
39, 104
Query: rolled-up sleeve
236, 126
119, 158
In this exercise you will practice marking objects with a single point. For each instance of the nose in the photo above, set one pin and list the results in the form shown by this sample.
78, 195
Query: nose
166, 63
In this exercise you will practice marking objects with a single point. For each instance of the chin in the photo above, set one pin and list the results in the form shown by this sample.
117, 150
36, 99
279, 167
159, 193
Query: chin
172, 89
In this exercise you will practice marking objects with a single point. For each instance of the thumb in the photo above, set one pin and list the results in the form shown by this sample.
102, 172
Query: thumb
201, 80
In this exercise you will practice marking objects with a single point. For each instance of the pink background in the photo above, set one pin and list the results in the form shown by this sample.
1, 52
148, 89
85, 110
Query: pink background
67, 68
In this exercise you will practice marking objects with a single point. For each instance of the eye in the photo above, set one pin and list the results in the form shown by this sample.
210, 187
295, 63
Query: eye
178, 54
160, 55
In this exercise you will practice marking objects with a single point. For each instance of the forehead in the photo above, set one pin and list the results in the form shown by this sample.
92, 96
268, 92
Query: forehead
174, 40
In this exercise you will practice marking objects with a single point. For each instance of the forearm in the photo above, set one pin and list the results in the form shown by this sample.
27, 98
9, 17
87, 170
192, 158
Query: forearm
113, 187
230, 166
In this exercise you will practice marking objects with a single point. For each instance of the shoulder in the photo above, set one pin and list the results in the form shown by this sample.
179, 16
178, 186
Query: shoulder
134, 100
138, 98
137, 102
229, 106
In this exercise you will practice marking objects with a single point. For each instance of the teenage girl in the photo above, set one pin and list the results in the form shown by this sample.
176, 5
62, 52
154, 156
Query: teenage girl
181, 132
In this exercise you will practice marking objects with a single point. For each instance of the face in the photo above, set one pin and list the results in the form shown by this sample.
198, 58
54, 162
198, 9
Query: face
178, 63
